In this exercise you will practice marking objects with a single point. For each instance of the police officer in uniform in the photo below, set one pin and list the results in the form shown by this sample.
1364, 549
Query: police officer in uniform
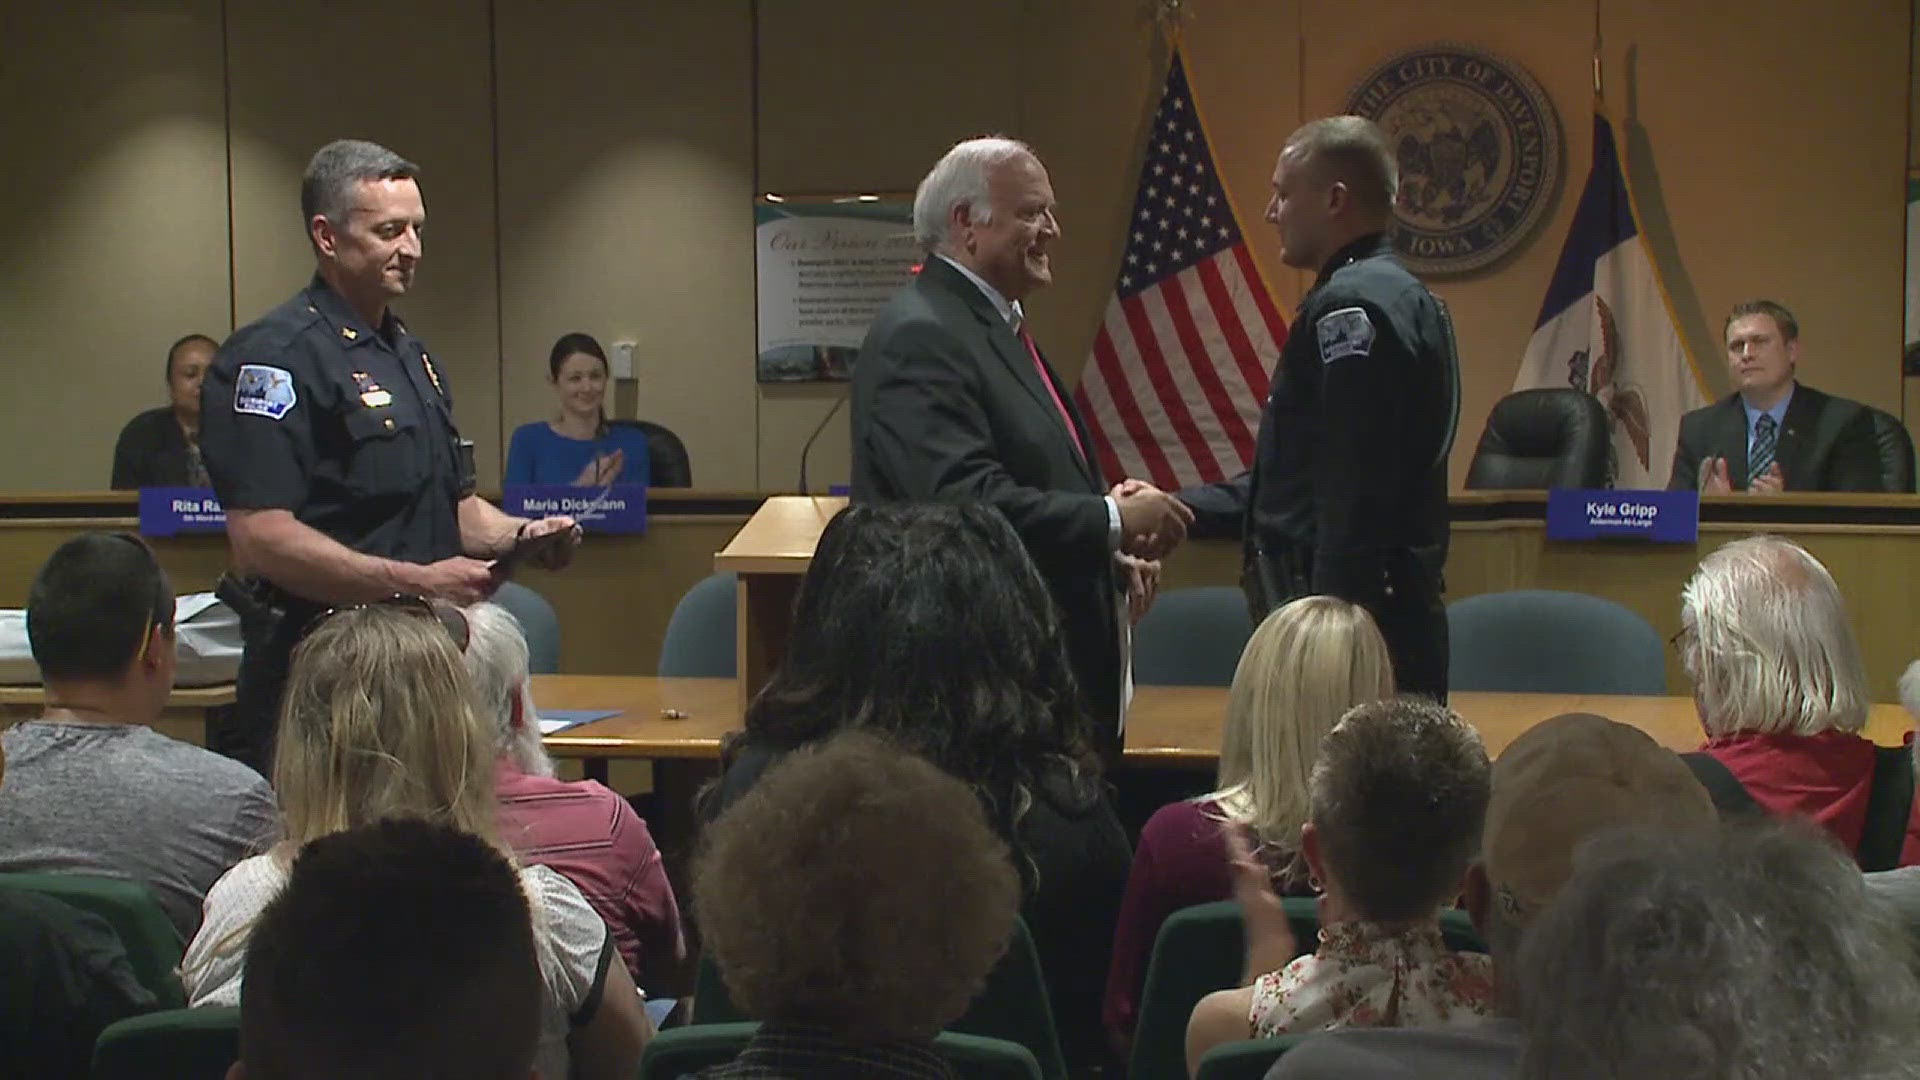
1348, 493
327, 430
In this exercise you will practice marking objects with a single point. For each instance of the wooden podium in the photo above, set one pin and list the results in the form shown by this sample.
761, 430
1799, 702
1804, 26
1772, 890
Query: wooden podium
770, 553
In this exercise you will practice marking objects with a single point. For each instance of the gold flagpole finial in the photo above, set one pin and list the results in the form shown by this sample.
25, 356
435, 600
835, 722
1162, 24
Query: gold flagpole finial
1170, 14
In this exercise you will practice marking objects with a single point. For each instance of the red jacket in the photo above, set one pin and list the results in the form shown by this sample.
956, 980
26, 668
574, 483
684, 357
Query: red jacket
1826, 777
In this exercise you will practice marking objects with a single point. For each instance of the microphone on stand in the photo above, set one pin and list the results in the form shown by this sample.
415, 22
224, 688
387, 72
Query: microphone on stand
817, 429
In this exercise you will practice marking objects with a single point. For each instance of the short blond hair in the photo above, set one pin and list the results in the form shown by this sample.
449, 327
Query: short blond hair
1307, 663
1400, 793
1350, 150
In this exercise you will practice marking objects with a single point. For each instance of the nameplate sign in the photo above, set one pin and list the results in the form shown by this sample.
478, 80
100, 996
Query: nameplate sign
617, 508
1661, 517
180, 511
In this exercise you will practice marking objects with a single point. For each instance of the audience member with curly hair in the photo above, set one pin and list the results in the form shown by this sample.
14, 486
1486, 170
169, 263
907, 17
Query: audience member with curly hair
927, 622
854, 902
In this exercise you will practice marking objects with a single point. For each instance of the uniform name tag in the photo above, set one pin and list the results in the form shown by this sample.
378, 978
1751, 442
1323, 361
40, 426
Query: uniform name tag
1347, 332
263, 390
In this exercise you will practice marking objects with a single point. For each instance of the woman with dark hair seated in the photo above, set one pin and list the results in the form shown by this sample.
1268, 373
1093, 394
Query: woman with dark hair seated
577, 446
929, 623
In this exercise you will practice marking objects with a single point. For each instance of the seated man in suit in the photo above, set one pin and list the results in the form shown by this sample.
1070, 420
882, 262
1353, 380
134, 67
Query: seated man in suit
1773, 434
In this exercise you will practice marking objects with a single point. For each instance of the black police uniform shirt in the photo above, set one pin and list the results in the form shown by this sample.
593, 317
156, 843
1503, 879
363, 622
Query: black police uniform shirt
1347, 463
311, 410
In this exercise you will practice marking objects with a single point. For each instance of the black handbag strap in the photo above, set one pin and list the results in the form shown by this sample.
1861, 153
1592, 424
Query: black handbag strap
1729, 795
1889, 805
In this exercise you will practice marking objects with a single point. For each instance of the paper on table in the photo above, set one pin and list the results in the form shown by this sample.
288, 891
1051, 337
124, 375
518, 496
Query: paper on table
552, 720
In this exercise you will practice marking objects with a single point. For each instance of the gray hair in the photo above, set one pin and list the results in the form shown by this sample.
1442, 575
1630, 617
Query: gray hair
1399, 798
496, 660
959, 178
1910, 700
1767, 643
327, 187
1353, 151
1753, 952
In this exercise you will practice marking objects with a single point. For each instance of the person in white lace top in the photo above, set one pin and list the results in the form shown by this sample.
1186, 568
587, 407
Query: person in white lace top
376, 723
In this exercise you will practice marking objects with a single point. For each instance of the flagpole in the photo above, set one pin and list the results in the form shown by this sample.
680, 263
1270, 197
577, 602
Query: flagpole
1597, 95
1169, 14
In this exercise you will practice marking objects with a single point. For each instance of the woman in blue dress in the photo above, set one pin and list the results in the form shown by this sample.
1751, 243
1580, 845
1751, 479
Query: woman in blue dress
577, 446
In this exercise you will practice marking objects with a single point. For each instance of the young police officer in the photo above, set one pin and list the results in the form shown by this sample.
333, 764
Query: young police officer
1348, 493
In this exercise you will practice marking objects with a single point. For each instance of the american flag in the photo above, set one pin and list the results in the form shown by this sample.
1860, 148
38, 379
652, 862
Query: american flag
1179, 372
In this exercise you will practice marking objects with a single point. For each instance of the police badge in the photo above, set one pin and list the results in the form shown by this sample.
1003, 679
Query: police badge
1479, 148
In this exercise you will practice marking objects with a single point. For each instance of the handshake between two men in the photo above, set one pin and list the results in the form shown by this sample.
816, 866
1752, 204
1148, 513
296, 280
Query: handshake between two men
1152, 524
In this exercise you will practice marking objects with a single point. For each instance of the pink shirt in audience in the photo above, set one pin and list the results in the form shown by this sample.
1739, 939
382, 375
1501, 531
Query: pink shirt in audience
1180, 861
592, 837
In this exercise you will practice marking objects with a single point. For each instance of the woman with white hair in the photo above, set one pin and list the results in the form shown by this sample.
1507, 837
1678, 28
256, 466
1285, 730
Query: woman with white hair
1781, 690
581, 828
1307, 663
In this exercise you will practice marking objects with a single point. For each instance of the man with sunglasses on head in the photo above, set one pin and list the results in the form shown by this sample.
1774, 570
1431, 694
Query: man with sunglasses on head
91, 788
327, 430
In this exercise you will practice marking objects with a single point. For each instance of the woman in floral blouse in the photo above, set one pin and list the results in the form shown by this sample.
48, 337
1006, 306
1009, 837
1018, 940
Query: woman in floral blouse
1398, 795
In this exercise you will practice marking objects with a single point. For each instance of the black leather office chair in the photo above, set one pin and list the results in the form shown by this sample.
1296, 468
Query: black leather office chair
1545, 438
1896, 452
667, 464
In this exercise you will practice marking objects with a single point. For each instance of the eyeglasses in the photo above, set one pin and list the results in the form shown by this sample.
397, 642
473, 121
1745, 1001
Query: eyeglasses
1678, 636
449, 616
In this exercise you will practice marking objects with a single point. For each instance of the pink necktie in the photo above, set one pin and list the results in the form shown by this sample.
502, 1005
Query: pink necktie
1065, 417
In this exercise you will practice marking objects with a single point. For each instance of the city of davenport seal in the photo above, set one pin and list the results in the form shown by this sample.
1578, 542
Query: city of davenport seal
1479, 149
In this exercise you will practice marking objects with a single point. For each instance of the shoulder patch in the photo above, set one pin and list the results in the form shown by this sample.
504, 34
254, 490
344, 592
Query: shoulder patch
263, 390
1346, 332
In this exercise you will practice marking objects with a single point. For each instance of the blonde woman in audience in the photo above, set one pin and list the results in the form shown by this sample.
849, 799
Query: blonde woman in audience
1398, 799
377, 723
1304, 667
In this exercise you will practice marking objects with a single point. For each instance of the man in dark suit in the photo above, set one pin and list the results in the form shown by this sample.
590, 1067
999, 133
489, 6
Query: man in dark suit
953, 400
1773, 434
